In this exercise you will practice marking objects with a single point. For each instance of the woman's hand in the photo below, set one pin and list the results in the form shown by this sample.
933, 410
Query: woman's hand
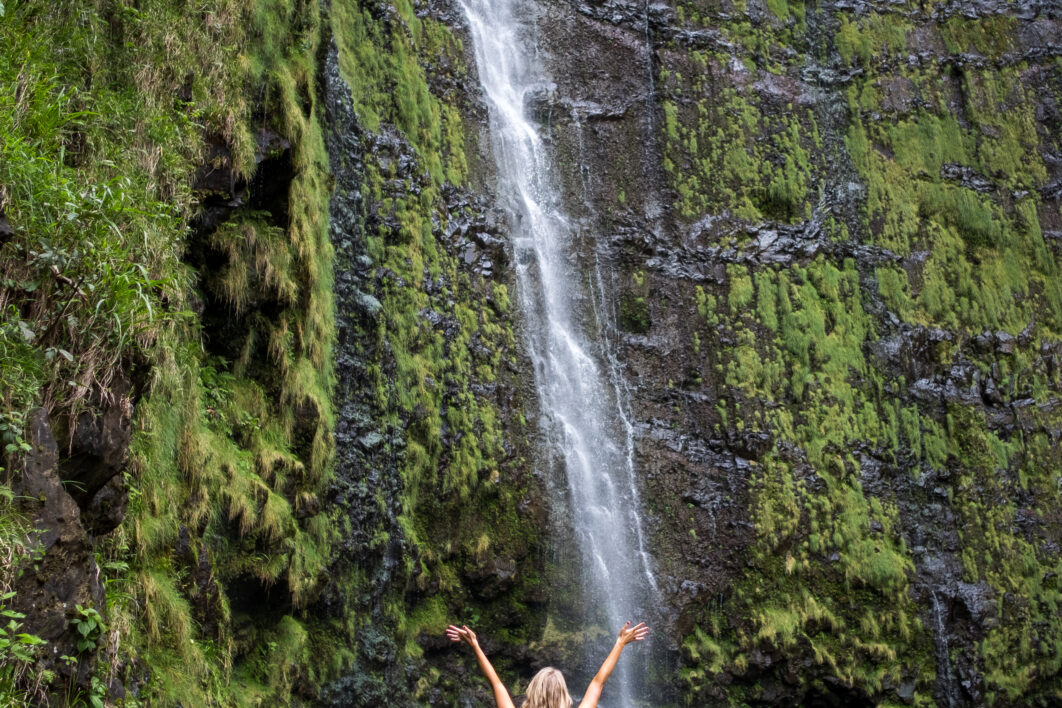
626, 635
466, 635
632, 634
462, 634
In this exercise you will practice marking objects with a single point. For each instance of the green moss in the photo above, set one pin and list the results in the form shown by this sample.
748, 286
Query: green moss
871, 36
390, 85
793, 596
741, 291
990, 36
779, 8
430, 384
634, 314
894, 289
230, 453
924, 143
715, 151
950, 200
766, 299
1008, 141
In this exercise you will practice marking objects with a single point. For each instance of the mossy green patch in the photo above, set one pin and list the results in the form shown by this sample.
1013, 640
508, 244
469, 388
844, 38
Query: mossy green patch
229, 455
951, 204
990, 36
716, 150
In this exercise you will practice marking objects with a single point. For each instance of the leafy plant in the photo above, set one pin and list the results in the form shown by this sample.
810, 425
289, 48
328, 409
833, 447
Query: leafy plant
18, 651
89, 625
94, 695
15, 531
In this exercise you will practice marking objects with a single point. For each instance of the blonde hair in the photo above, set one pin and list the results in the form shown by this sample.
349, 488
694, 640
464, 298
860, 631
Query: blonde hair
548, 690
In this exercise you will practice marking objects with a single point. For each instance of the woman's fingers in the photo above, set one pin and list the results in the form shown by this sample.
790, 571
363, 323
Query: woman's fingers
460, 634
636, 633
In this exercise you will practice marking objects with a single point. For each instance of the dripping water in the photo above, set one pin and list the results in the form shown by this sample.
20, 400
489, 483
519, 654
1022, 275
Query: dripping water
943, 651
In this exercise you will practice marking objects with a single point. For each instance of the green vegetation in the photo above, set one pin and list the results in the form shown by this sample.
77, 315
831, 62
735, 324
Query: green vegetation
226, 329
406, 243
952, 173
716, 147
383, 62
989, 36
852, 613
101, 142
444, 436
111, 113
634, 315
20, 680
872, 36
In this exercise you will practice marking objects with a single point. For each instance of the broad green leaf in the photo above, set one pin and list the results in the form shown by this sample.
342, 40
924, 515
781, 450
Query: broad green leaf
31, 639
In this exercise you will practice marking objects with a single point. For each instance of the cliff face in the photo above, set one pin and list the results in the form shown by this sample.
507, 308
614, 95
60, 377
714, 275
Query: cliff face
832, 237
258, 358
266, 401
834, 233
441, 519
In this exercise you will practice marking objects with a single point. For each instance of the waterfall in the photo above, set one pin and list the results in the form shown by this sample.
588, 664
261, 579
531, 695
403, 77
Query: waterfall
946, 675
582, 400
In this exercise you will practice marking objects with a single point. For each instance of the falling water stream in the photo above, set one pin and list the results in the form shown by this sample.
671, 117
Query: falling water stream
940, 638
582, 400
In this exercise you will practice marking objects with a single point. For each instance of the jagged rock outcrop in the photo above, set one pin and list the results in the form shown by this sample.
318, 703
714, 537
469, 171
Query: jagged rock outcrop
64, 575
427, 380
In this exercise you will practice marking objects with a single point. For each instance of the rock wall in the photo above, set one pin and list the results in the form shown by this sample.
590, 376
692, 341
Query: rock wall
441, 518
833, 237
833, 229
166, 334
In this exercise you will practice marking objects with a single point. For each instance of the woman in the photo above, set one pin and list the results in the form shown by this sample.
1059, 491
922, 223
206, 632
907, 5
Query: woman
547, 689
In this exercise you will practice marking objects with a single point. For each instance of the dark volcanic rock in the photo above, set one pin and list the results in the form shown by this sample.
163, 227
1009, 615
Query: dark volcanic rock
492, 576
106, 510
6, 231
645, 94
64, 572
98, 449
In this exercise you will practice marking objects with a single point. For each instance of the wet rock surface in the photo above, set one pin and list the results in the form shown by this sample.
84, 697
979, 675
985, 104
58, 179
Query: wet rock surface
606, 115
366, 473
381, 563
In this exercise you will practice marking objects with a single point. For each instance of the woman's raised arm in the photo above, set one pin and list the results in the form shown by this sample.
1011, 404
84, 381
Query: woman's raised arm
626, 635
466, 635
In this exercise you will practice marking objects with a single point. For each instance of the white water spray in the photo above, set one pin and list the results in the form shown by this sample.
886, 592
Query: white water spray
581, 394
